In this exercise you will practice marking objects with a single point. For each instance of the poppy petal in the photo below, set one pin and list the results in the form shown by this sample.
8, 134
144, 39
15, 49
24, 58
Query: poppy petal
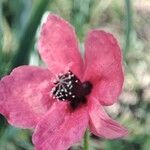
24, 95
101, 124
60, 128
103, 57
58, 46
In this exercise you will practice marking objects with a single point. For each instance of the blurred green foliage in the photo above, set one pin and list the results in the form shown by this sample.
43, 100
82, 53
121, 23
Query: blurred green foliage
128, 20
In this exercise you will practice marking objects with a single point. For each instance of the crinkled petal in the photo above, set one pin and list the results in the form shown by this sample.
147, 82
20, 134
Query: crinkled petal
103, 66
101, 124
58, 46
24, 95
60, 128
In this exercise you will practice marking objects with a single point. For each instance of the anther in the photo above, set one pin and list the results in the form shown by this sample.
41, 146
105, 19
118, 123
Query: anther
69, 88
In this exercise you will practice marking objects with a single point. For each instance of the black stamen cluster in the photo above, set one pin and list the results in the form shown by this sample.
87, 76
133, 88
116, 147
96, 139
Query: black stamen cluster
70, 88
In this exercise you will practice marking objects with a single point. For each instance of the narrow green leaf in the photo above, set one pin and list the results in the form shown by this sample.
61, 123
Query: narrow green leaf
128, 24
23, 51
1, 30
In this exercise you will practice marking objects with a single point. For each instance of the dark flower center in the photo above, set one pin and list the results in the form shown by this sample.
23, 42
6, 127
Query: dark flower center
69, 88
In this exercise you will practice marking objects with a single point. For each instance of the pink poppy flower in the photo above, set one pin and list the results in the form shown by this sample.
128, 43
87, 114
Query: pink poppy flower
61, 102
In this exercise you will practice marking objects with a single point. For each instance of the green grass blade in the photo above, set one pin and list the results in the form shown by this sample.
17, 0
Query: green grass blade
23, 51
128, 25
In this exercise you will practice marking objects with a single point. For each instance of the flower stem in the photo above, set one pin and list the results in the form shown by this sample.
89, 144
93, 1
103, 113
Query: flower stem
86, 141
